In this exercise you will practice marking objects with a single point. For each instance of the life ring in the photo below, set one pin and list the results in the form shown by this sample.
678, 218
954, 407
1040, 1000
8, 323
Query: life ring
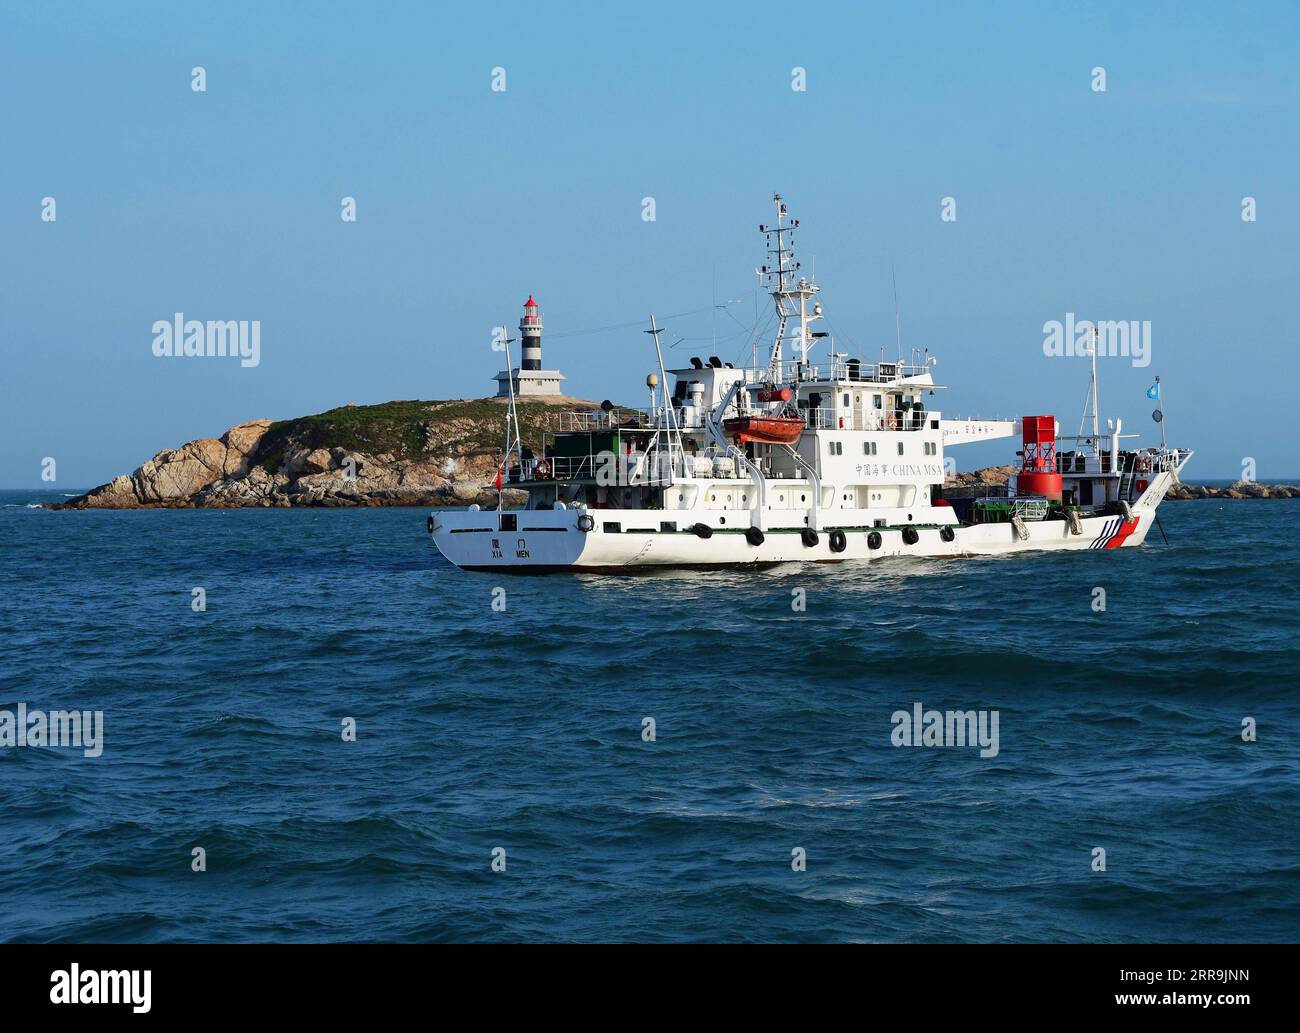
874, 541
839, 541
430, 523
810, 538
1144, 465
1141, 486
892, 422
543, 470
586, 522
947, 533
754, 536
703, 530
910, 537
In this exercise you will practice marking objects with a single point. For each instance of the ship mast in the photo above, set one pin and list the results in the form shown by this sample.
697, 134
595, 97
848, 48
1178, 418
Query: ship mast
1096, 440
1091, 403
790, 296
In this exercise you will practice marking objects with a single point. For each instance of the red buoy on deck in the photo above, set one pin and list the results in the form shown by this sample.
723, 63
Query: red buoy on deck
1038, 476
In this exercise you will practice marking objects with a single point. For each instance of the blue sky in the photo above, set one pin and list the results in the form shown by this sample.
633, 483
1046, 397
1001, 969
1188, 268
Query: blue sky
225, 204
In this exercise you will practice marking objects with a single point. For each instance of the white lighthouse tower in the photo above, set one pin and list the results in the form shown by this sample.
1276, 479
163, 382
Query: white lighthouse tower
530, 379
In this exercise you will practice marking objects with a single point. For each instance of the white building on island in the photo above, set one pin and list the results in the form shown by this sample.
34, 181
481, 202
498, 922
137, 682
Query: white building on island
529, 377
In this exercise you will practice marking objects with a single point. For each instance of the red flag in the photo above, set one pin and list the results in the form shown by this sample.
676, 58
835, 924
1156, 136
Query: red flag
498, 477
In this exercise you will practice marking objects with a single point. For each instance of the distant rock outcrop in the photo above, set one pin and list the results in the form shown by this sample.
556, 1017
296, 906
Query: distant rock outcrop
396, 454
178, 474
1236, 490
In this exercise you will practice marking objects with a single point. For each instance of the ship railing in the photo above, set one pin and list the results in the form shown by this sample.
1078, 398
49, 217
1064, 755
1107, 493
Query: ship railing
1153, 461
873, 372
656, 466
837, 368
600, 420
1083, 462
831, 419
978, 490
1169, 460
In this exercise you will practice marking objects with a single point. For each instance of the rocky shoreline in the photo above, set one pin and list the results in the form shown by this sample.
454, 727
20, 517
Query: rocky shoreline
396, 454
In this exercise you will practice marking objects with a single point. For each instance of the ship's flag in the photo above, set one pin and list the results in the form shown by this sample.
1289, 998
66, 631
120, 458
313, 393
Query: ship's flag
1153, 391
498, 477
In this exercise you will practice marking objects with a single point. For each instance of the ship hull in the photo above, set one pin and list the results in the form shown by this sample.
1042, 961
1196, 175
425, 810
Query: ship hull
545, 541
534, 550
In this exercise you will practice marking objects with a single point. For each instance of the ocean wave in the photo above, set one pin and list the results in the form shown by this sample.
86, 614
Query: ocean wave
523, 731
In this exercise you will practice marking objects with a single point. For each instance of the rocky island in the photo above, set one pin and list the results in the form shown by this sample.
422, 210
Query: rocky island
412, 453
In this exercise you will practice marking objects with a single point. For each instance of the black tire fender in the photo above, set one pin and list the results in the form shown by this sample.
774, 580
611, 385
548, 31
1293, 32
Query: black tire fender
947, 533
810, 537
754, 536
839, 541
703, 530
874, 541
910, 535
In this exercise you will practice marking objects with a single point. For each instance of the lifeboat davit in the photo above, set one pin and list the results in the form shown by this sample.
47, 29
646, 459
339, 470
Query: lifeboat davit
769, 430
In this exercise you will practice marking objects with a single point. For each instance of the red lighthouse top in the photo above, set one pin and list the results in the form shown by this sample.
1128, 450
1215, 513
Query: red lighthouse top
531, 324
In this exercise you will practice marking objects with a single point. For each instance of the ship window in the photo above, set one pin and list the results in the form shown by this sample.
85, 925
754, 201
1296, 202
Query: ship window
877, 401
900, 448
668, 525
868, 448
613, 526
846, 401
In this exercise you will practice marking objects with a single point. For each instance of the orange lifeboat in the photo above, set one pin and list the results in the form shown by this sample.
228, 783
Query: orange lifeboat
769, 430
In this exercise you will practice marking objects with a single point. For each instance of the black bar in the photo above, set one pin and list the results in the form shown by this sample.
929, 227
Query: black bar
214, 983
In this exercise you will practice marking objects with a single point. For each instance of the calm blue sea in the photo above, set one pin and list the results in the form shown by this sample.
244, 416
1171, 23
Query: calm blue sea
522, 730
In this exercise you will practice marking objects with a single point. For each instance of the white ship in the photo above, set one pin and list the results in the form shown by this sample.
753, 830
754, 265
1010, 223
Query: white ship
824, 460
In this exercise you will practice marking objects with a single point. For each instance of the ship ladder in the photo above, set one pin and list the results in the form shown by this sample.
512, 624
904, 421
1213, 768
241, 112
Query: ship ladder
1126, 483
